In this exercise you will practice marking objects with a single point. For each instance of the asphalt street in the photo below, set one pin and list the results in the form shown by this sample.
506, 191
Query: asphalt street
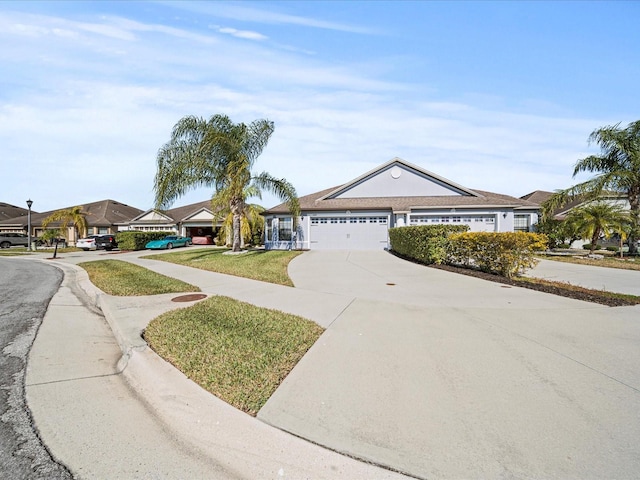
25, 291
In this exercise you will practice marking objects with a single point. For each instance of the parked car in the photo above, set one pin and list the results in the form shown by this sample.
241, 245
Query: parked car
170, 241
11, 239
202, 240
106, 242
88, 243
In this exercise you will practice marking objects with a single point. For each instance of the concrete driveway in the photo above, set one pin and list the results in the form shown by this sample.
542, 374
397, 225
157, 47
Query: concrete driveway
444, 376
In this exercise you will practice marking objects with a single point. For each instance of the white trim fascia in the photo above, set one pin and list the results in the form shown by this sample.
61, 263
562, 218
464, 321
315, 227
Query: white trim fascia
203, 209
462, 207
410, 166
149, 211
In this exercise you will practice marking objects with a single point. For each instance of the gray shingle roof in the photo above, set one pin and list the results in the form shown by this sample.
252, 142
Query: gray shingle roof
98, 214
177, 214
314, 202
8, 211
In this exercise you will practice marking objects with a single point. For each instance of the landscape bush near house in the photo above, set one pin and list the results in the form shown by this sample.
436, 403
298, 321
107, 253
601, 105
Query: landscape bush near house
134, 240
504, 253
423, 243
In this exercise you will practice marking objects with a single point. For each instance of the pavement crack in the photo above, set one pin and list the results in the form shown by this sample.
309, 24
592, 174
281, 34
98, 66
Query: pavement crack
341, 312
557, 352
75, 379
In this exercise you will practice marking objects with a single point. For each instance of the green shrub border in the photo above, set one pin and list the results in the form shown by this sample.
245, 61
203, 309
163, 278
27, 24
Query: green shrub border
135, 240
423, 243
503, 253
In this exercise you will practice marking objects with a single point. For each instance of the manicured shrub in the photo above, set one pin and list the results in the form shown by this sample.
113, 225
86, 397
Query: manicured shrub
587, 246
423, 243
134, 240
505, 253
612, 249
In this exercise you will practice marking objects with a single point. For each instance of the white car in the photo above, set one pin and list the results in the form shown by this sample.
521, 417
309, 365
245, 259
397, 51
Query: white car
88, 243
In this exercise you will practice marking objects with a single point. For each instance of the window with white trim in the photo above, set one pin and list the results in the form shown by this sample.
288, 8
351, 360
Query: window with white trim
521, 223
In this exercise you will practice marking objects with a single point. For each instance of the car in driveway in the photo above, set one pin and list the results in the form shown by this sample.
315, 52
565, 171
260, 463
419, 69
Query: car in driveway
88, 243
12, 239
106, 242
168, 242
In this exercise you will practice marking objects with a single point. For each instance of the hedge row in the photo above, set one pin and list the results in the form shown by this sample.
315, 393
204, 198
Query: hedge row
134, 240
424, 243
505, 254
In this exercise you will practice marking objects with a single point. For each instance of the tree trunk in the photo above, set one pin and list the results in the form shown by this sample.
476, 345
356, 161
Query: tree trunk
634, 210
594, 241
237, 206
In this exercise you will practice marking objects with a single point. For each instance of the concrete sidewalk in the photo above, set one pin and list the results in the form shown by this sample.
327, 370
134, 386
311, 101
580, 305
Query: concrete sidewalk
427, 372
108, 407
596, 278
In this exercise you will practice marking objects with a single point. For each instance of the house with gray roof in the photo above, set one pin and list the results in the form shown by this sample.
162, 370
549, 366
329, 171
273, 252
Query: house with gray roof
358, 214
103, 217
9, 212
193, 220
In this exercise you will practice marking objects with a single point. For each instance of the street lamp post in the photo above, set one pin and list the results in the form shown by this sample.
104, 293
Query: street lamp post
29, 203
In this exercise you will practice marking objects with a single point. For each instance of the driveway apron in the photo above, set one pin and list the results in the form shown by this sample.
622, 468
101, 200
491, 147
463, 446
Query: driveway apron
439, 375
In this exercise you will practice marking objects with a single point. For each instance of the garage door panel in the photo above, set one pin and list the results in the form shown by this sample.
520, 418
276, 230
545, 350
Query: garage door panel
365, 233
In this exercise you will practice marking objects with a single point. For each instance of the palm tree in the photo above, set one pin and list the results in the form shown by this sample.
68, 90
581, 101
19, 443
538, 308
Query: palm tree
74, 216
251, 222
618, 168
220, 154
598, 218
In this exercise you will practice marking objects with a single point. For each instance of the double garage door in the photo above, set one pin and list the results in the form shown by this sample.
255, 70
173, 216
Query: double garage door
349, 233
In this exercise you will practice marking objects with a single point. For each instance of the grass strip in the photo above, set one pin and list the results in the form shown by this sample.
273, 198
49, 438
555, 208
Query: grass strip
236, 351
602, 297
609, 262
266, 266
119, 278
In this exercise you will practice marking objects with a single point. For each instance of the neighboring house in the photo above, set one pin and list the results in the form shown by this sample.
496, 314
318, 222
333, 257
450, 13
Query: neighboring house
105, 216
541, 196
194, 220
9, 212
358, 214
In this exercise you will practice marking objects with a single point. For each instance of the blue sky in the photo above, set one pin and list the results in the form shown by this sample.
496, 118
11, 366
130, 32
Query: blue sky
498, 96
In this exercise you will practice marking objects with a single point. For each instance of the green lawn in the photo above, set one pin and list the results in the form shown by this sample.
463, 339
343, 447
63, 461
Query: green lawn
267, 266
236, 351
119, 278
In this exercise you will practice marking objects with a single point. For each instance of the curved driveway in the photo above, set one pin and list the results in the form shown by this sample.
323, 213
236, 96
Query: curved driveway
445, 376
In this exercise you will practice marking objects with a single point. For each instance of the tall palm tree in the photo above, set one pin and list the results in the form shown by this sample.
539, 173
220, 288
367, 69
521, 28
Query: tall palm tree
598, 218
618, 171
69, 216
220, 154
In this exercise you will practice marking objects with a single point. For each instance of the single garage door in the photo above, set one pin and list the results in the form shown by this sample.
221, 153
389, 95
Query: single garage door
349, 233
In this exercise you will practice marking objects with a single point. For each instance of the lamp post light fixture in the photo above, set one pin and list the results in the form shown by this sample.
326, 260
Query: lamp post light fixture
29, 203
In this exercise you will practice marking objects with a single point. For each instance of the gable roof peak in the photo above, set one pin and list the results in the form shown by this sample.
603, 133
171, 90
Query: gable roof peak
395, 161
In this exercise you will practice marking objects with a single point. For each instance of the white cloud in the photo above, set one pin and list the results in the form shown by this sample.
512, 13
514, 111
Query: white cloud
243, 13
83, 117
248, 35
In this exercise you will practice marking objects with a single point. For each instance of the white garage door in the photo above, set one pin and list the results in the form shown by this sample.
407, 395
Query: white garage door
349, 233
